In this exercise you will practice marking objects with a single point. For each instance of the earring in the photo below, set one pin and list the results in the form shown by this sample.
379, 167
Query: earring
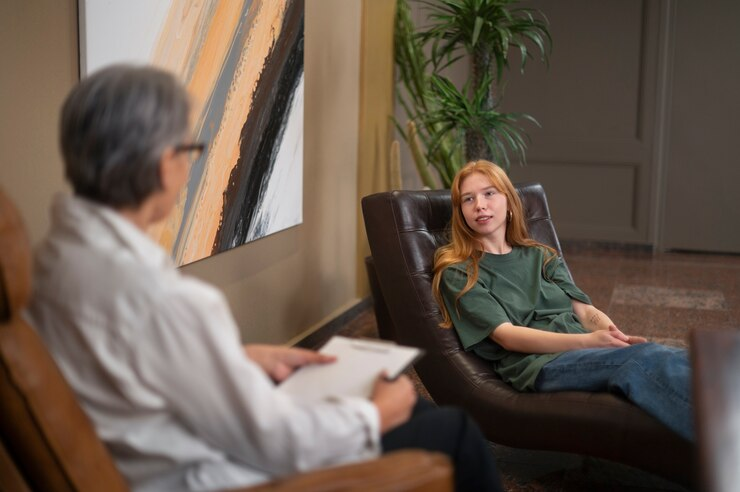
509, 215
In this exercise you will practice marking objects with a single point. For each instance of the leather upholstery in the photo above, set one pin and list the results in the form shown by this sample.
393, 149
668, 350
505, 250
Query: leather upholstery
715, 357
51, 440
404, 228
48, 444
415, 471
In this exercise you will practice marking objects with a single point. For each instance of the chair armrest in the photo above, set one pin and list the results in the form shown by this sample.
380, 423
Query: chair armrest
715, 361
12, 480
410, 470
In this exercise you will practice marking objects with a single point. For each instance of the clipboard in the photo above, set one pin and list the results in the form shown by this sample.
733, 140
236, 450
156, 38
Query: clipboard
353, 374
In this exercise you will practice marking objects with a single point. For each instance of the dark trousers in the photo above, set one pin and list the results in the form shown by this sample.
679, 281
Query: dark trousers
450, 431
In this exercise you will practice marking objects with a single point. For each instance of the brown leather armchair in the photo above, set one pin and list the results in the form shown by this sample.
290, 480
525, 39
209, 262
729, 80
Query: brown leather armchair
715, 358
404, 228
48, 443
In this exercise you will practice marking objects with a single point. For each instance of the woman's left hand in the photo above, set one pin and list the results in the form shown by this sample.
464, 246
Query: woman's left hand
632, 340
592, 319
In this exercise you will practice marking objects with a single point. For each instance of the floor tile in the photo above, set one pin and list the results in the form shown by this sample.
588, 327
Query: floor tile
646, 295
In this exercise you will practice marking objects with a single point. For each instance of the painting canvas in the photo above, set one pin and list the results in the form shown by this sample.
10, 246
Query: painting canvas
242, 62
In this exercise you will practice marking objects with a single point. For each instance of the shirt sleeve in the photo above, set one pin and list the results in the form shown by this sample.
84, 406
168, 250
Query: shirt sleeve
476, 313
559, 275
196, 362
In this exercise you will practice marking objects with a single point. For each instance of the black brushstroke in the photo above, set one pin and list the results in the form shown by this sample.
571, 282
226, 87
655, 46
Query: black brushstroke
262, 132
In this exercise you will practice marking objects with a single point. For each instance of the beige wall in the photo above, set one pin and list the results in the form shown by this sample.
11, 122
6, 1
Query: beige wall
38, 53
279, 286
376, 103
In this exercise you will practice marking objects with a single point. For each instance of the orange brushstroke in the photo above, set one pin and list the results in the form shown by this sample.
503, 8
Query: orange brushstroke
194, 42
187, 46
224, 149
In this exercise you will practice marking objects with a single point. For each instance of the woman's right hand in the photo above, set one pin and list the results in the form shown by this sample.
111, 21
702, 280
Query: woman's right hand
394, 400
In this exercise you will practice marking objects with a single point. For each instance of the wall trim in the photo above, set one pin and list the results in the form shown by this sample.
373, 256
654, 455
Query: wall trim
316, 336
664, 98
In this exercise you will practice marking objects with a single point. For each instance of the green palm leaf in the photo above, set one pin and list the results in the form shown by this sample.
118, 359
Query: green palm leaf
454, 123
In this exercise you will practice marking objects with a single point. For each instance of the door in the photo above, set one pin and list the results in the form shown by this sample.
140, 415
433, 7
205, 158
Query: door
701, 207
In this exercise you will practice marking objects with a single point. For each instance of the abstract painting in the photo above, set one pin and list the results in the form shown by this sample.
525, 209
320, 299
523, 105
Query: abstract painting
242, 62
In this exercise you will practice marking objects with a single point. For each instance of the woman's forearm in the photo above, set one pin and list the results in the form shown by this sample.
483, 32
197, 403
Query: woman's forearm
590, 317
532, 341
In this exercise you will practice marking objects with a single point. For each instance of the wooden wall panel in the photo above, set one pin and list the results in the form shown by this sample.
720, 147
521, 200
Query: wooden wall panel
596, 104
702, 204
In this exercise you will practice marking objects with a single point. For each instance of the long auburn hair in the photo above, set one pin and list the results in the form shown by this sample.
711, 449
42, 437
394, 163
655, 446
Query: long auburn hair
465, 243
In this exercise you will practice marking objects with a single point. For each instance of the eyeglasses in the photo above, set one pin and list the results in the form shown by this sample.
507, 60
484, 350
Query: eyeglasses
197, 147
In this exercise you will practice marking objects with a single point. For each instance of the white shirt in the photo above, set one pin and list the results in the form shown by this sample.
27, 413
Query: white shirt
155, 359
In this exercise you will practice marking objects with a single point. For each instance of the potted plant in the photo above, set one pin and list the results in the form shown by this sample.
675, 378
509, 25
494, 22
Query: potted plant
449, 125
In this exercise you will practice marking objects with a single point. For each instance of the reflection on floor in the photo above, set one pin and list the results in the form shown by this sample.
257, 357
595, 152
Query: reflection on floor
662, 297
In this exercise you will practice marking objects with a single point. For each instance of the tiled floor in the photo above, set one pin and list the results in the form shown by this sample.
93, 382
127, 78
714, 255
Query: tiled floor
662, 297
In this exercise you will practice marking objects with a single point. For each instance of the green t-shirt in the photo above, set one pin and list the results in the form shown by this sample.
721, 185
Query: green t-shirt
511, 288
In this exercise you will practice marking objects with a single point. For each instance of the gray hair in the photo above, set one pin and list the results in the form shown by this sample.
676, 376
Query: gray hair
115, 125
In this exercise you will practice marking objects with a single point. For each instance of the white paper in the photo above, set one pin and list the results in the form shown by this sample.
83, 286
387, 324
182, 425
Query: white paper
358, 364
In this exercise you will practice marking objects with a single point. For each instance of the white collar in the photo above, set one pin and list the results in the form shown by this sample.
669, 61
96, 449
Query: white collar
101, 225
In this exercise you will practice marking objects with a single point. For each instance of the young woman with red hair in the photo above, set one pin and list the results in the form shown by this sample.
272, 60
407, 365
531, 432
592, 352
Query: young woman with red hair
513, 302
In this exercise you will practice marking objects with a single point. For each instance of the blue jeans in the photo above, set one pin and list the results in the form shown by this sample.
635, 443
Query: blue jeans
654, 377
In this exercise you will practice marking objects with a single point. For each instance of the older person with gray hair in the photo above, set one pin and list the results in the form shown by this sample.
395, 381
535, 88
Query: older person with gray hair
155, 356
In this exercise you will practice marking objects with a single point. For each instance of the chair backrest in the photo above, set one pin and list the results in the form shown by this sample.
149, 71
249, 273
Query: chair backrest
47, 440
404, 229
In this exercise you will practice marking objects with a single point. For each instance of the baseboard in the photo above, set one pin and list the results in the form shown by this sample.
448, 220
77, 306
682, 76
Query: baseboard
316, 338
576, 246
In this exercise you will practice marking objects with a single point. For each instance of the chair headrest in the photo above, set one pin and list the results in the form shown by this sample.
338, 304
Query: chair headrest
15, 260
